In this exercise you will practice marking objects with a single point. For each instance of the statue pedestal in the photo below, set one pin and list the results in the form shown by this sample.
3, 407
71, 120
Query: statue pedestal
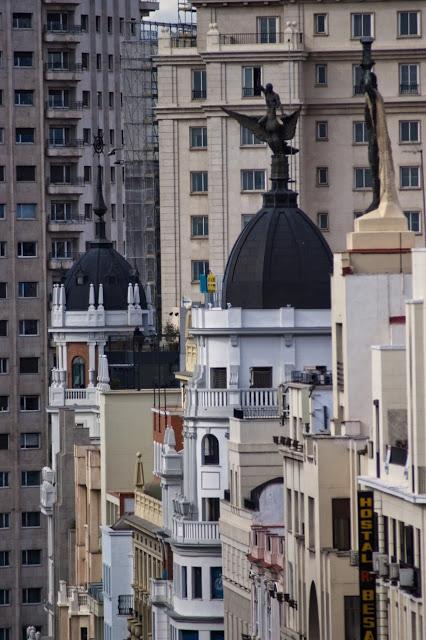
380, 240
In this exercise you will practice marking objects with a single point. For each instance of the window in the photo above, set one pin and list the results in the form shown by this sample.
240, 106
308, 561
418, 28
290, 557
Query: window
409, 131
29, 403
414, 221
361, 25
322, 221
217, 635
210, 449
85, 61
112, 136
31, 557
24, 135
216, 585
2, 173
28, 327
61, 211
248, 138
110, 62
85, 97
184, 582
28, 364
26, 211
408, 79
57, 21
59, 136
23, 58
322, 176
218, 378
4, 479
188, 635
87, 173
341, 516
1, 129
311, 522
4, 558
198, 137
111, 99
3, 290
360, 132
97, 23
58, 60
199, 182
30, 519
4, 597
3, 333
4, 366
24, 98
261, 377
267, 29
408, 24
31, 595
84, 22
357, 80
27, 249
362, 178
409, 177
4, 441
30, 441
30, 478
25, 173
321, 130
210, 509
197, 585
245, 219
320, 24
22, 20
199, 226
62, 249
98, 61
59, 98
87, 135
112, 174
121, 26
199, 84
99, 99
251, 81
27, 289
109, 24
2, 248
198, 268
88, 211
321, 75
2, 211
252, 179
4, 520
60, 174
78, 373
4, 403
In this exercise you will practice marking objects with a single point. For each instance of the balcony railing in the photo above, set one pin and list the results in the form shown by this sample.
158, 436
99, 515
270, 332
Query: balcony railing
76, 181
161, 591
246, 397
358, 89
182, 42
95, 591
411, 89
195, 530
125, 605
199, 94
75, 218
258, 38
57, 27
312, 377
72, 67
76, 143
71, 106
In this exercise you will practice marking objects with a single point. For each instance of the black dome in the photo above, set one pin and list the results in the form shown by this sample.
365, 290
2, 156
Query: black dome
101, 264
280, 259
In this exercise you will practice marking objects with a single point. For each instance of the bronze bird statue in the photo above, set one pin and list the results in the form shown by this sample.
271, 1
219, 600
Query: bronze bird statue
269, 128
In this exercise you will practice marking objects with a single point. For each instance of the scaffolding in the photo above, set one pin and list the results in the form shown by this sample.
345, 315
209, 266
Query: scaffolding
140, 153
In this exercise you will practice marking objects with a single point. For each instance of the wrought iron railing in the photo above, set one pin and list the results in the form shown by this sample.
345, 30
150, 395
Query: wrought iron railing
259, 38
411, 89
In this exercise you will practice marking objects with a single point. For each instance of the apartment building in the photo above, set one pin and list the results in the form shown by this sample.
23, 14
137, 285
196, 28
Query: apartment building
213, 171
59, 84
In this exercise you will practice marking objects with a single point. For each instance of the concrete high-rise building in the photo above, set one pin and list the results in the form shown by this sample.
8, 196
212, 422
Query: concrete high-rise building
213, 171
59, 84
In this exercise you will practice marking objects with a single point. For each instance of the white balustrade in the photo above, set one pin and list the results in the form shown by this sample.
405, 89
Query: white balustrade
193, 530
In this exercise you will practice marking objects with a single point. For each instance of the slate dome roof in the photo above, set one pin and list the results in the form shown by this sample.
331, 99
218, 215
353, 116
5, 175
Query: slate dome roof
280, 259
101, 264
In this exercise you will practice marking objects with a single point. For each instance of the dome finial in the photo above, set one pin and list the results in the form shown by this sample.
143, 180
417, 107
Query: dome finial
99, 207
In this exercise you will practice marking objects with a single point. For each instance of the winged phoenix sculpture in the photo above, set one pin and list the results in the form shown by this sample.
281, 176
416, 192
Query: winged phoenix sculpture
269, 128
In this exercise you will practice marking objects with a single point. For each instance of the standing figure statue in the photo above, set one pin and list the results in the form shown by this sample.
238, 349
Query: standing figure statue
273, 103
369, 86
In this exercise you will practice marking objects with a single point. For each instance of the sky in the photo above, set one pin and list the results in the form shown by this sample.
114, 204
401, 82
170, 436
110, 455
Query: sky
167, 11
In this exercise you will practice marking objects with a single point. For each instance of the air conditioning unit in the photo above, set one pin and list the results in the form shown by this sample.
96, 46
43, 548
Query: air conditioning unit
393, 571
354, 558
406, 577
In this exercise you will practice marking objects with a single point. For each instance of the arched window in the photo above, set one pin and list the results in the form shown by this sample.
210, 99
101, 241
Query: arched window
78, 373
210, 449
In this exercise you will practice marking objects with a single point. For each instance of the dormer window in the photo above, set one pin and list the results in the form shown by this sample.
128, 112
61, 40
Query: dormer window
78, 373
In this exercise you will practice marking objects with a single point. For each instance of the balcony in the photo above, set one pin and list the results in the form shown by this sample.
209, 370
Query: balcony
224, 401
199, 94
257, 38
69, 73
411, 89
183, 42
314, 377
95, 598
58, 33
72, 110
74, 223
358, 90
72, 186
60, 397
125, 605
195, 531
69, 148
162, 592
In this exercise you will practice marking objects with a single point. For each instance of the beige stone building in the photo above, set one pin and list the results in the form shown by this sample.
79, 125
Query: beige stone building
212, 173
59, 83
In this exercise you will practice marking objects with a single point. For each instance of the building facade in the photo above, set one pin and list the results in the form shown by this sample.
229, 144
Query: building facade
311, 55
59, 84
